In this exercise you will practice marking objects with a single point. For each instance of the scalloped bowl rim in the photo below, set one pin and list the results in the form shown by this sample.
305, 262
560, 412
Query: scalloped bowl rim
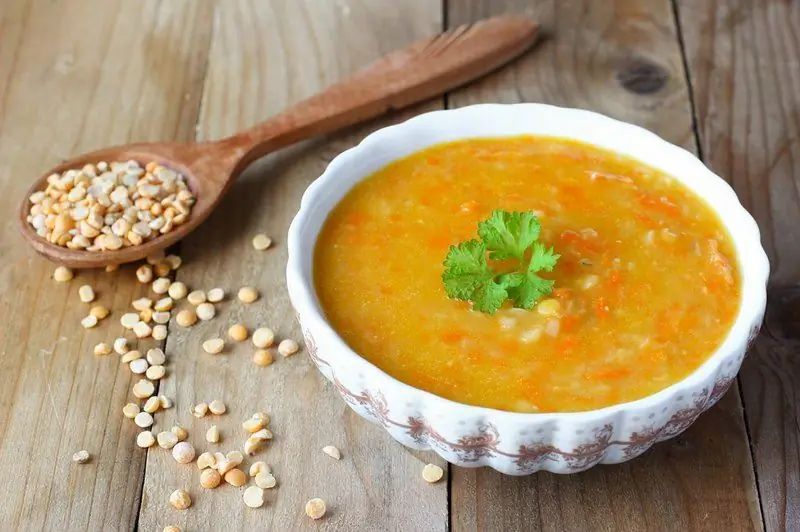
754, 271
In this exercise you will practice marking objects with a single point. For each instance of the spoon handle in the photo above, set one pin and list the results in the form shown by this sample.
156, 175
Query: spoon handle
421, 71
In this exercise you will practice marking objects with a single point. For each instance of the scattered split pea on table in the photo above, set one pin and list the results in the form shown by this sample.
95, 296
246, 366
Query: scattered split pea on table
717, 78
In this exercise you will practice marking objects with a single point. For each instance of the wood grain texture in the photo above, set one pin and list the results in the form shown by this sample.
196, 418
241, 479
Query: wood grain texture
264, 57
623, 59
744, 62
76, 75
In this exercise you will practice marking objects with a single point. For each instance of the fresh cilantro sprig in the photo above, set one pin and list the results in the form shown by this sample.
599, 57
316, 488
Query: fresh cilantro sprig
504, 235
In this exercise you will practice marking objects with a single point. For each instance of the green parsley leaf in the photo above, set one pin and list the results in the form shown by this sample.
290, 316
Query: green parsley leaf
528, 292
508, 234
465, 269
467, 275
542, 259
488, 297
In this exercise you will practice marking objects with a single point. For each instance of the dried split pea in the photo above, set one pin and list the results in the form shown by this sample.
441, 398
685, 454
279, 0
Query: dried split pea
288, 348
263, 337
238, 332
261, 242
183, 452
164, 304
223, 465
155, 373
213, 346
159, 332
206, 311
152, 404
266, 480
263, 357
180, 432
156, 356
180, 500
81, 457
130, 410
86, 293
174, 261
129, 320
253, 425
253, 497
112, 268
217, 407
146, 315
139, 366
167, 439
145, 439
89, 321
161, 318
102, 349
130, 356
263, 434
206, 460
186, 318
99, 311
315, 508
142, 330
235, 477
121, 346
212, 434
200, 410
432, 473
263, 416
247, 294
196, 297
332, 451
143, 389
215, 295
177, 290
165, 401
252, 445
62, 274
210, 478
235, 458
171, 528
161, 285
144, 273
143, 419
259, 467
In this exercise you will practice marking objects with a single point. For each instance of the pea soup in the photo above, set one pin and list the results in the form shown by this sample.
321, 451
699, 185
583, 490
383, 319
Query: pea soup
644, 291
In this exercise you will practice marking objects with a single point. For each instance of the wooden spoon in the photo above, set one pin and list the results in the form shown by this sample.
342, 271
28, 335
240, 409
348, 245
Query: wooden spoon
421, 71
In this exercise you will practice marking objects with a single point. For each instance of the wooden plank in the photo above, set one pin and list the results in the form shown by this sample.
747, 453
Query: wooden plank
743, 60
76, 75
621, 58
264, 56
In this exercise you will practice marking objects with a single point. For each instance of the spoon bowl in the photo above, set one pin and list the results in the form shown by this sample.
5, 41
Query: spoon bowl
421, 71
207, 167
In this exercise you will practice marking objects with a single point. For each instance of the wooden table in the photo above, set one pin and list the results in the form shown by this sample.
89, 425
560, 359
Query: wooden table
719, 77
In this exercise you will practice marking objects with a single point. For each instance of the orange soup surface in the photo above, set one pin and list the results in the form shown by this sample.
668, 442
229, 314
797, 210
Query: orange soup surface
646, 289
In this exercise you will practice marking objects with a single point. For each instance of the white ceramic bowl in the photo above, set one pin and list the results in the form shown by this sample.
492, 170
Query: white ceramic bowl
516, 443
